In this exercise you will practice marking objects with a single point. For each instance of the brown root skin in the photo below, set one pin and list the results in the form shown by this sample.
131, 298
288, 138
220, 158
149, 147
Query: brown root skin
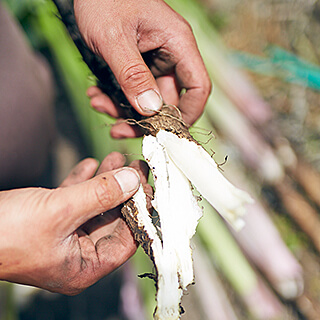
129, 212
168, 119
150, 276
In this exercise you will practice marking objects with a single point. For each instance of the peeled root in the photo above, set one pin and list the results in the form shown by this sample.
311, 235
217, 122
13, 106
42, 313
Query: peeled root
177, 162
203, 172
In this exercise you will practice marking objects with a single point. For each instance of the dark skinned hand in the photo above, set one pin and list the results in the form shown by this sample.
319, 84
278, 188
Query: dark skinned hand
153, 54
58, 239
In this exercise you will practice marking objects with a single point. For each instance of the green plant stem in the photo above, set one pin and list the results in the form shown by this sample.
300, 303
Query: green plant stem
9, 312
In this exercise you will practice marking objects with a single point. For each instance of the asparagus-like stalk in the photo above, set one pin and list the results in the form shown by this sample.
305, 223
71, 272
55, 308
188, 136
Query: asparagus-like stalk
212, 296
309, 178
263, 245
260, 301
254, 150
301, 211
226, 75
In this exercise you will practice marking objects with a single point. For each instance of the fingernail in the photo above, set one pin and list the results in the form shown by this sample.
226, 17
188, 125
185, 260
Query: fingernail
291, 288
128, 180
149, 101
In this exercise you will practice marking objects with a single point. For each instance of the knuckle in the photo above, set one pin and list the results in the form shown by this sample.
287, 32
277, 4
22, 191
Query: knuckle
186, 27
207, 86
183, 25
134, 75
185, 30
105, 194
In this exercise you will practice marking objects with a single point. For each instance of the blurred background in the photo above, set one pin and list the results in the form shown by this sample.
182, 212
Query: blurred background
264, 112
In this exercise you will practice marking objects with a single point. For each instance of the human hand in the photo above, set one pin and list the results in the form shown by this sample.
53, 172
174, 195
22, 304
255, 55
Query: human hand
152, 53
57, 239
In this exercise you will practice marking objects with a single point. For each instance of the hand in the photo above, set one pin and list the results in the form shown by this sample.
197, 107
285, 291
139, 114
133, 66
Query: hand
57, 239
152, 53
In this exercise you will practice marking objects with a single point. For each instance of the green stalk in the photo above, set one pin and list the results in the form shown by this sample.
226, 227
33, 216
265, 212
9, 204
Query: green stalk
142, 265
224, 250
210, 291
233, 124
75, 75
260, 301
9, 312
220, 244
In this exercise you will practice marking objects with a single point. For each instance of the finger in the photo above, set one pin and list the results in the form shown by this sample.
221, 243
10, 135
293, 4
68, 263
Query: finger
112, 161
130, 70
102, 225
122, 130
83, 171
169, 89
142, 168
113, 250
73, 206
102, 103
107, 222
193, 77
93, 91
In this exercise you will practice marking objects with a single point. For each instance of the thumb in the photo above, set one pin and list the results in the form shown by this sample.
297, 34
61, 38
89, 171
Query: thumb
134, 76
78, 203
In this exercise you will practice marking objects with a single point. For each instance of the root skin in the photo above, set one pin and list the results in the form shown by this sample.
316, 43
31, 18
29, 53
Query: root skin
129, 212
168, 119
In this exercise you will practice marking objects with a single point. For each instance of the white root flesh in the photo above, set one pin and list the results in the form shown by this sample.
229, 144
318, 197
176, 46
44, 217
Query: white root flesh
144, 221
179, 214
176, 163
203, 172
